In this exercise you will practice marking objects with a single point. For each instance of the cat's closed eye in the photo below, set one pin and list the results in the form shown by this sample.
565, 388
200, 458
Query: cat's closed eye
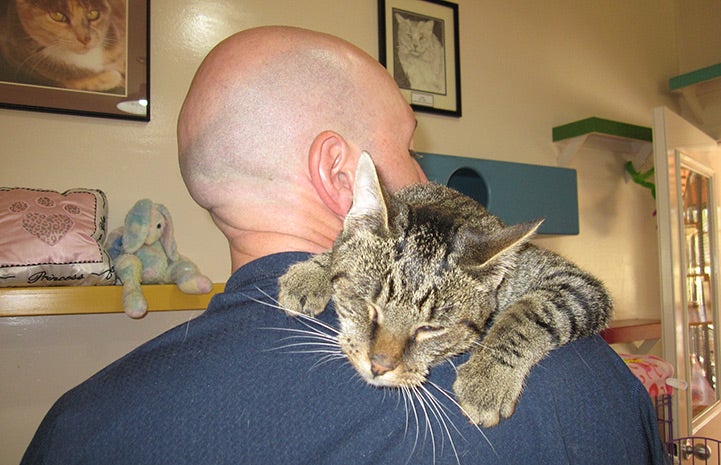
426, 332
373, 317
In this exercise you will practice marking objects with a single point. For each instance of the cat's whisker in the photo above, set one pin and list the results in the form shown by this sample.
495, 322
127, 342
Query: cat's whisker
313, 333
306, 321
428, 432
272, 304
408, 400
310, 333
481, 345
313, 348
330, 357
450, 397
313, 340
301, 317
450, 362
328, 351
403, 395
33, 61
442, 419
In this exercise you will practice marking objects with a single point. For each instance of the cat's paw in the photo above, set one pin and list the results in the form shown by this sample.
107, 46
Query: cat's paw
103, 81
487, 391
305, 288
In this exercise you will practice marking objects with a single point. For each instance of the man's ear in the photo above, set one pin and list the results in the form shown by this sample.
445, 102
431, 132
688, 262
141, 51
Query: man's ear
332, 170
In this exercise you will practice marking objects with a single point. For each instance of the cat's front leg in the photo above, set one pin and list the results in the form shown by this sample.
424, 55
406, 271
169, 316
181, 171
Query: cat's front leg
488, 390
305, 288
489, 385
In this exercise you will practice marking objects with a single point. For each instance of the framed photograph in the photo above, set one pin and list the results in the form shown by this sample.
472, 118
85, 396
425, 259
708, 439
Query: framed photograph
89, 60
419, 47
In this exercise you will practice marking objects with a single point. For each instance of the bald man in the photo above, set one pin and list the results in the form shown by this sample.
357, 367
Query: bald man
269, 137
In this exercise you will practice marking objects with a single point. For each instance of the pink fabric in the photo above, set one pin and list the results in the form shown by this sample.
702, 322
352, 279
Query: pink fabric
652, 371
48, 238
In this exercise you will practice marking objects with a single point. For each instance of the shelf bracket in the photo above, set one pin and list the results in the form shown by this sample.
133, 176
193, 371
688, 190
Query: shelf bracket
693, 102
569, 148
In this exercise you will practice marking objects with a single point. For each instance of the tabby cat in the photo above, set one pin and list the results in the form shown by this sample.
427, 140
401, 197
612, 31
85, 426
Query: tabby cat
420, 55
426, 274
72, 44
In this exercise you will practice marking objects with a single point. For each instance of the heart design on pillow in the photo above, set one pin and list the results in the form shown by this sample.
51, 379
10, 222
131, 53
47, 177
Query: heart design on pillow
48, 228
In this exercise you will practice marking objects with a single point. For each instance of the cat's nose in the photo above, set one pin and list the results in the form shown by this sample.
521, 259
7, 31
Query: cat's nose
382, 364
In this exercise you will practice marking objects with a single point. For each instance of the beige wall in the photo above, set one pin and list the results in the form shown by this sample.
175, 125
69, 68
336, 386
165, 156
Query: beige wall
526, 66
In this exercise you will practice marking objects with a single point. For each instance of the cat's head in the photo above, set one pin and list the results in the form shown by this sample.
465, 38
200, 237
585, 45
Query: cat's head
65, 25
413, 285
414, 36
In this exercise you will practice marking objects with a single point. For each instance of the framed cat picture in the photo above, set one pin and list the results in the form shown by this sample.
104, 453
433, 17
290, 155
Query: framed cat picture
419, 47
82, 57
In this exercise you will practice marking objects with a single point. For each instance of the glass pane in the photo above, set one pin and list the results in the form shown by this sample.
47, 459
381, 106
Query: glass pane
700, 298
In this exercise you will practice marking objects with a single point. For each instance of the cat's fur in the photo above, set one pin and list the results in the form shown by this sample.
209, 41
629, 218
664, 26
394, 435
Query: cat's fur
426, 274
420, 54
72, 44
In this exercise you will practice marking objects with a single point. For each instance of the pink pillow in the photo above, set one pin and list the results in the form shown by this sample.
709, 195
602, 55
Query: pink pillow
53, 239
652, 371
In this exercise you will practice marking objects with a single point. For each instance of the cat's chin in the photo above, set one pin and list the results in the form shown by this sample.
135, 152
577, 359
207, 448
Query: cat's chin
390, 380
387, 380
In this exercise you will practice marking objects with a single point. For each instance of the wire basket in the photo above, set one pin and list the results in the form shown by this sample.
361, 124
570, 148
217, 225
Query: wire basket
684, 451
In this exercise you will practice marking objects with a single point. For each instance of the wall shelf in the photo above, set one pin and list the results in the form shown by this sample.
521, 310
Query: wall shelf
75, 300
603, 134
695, 85
633, 330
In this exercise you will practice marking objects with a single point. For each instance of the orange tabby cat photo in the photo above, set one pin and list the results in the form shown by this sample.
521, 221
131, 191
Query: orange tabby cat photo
69, 44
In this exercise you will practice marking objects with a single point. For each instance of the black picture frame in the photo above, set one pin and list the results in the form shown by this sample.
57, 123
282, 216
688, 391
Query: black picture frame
130, 99
432, 81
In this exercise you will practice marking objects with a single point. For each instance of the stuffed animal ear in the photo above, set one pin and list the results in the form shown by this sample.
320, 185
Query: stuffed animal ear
137, 225
168, 239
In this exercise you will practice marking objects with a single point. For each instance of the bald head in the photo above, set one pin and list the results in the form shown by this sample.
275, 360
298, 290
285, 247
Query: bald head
271, 130
262, 95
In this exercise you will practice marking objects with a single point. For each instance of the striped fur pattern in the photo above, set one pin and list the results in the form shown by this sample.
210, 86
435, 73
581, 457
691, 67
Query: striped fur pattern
426, 274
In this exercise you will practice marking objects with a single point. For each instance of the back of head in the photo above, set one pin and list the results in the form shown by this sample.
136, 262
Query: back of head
258, 100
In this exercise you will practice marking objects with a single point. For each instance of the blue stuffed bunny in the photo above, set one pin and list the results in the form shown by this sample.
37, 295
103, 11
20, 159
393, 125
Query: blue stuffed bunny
144, 251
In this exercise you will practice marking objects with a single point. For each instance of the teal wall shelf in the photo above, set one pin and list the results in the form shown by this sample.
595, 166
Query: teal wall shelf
515, 192
695, 77
694, 85
604, 134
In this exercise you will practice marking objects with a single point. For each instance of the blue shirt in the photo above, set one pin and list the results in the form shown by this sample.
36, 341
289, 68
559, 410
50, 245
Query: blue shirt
239, 385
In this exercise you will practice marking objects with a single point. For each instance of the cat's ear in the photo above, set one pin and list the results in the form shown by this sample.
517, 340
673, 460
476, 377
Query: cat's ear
478, 250
369, 210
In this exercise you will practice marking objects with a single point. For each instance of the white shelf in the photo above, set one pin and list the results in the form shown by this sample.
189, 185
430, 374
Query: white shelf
603, 134
695, 86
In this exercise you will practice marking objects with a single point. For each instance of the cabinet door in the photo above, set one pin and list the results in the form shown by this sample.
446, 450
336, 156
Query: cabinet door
688, 196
